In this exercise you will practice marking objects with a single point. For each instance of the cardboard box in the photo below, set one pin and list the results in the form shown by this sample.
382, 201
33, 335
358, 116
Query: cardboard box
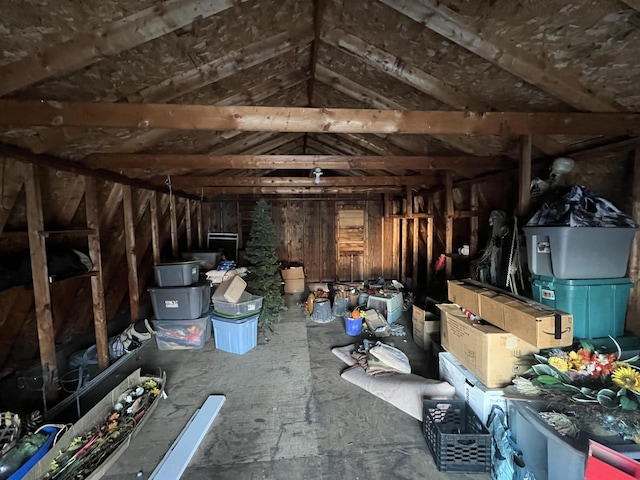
293, 273
424, 324
492, 355
479, 397
535, 323
230, 290
295, 285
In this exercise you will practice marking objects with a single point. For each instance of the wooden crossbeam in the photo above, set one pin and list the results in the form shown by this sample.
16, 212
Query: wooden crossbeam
191, 181
315, 190
455, 28
86, 48
292, 162
418, 79
18, 113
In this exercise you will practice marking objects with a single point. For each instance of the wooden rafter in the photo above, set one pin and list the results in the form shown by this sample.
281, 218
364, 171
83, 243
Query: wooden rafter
183, 182
86, 48
302, 119
300, 162
452, 26
376, 100
304, 190
418, 79
224, 66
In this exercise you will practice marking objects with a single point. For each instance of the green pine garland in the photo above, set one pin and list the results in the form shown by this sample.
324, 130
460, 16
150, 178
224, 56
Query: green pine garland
264, 277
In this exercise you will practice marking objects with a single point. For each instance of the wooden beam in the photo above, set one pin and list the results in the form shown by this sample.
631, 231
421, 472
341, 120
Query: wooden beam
524, 189
430, 263
199, 226
224, 66
87, 48
415, 223
40, 277
31, 113
187, 218
455, 28
473, 235
376, 100
399, 69
448, 216
132, 261
197, 182
174, 225
633, 305
97, 285
292, 162
50, 161
315, 190
155, 231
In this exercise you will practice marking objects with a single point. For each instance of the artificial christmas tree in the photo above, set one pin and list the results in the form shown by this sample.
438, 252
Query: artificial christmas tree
264, 277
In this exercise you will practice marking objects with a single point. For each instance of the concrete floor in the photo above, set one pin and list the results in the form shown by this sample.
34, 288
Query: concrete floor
287, 415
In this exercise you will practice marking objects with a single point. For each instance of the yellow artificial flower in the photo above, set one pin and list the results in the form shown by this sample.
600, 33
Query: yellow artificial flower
559, 363
626, 377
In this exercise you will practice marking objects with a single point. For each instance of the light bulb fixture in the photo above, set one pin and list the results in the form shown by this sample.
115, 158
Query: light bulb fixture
317, 172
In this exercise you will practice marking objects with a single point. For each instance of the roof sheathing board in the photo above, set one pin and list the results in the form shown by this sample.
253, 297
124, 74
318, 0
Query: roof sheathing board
426, 50
595, 41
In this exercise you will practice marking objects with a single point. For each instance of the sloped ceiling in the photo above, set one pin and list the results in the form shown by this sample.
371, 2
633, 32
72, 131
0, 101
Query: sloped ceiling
453, 55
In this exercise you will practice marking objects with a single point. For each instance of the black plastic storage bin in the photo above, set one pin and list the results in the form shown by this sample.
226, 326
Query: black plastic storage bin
178, 303
456, 437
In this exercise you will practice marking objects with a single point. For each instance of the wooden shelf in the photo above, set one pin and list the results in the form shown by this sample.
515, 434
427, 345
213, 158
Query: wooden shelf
78, 232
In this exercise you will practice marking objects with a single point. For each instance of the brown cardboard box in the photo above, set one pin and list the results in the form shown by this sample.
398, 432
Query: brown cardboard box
424, 324
491, 354
535, 323
295, 285
230, 290
293, 273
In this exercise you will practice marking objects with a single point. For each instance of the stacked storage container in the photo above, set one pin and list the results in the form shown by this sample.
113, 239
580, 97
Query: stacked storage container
581, 270
180, 306
389, 305
235, 317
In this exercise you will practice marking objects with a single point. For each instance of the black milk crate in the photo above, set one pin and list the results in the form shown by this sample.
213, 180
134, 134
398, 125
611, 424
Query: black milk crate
456, 437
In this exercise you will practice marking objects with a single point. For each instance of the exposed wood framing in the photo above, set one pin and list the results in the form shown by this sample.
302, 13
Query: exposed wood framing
315, 190
524, 185
155, 233
199, 226
174, 225
132, 261
392, 181
97, 285
224, 67
40, 277
86, 48
430, 210
452, 26
474, 225
448, 216
303, 119
187, 218
292, 162
633, 310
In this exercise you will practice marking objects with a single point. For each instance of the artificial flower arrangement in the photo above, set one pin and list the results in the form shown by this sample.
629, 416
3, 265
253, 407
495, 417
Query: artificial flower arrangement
88, 451
587, 375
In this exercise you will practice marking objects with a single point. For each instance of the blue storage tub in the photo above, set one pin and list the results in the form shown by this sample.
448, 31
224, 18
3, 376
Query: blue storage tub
234, 337
598, 306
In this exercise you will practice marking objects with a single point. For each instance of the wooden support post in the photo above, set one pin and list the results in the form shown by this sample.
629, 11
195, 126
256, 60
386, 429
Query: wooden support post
524, 190
430, 210
415, 255
448, 231
97, 286
187, 218
395, 248
40, 276
633, 309
174, 225
473, 236
132, 262
155, 230
199, 226
404, 237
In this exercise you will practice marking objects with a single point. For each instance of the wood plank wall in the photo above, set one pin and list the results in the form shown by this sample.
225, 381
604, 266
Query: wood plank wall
64, 209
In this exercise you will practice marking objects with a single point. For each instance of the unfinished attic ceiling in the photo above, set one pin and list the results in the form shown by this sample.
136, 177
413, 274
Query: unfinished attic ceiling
447, 56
